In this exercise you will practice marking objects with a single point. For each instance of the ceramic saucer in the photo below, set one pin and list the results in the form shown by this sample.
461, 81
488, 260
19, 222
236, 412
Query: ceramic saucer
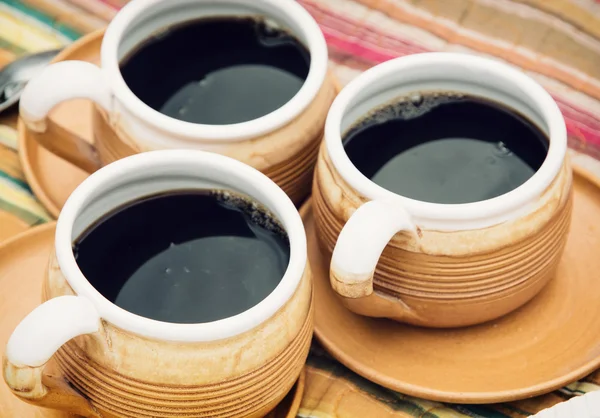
10, 226
550, 342
23, 262
51, 178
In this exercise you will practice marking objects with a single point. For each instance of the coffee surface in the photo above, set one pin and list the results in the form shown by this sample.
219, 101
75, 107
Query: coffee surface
217, 71
186, 256
446, 148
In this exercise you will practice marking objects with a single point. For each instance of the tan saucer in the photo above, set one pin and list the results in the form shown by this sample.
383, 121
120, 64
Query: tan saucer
548, 343
10, 226
23, 262
51, 178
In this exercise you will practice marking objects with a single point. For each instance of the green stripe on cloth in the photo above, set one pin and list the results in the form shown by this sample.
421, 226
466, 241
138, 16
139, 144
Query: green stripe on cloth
21, 203
9, 46
64, 30
478, 411
579, 388
17, 182
326, 372
15, 195
30, 218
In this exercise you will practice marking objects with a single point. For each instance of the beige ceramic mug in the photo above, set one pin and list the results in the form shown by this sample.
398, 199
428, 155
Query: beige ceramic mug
282, 144
114, 363
441, 265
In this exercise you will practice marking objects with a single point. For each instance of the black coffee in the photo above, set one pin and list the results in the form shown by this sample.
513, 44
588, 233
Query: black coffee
185, 256
446, 148
217, 70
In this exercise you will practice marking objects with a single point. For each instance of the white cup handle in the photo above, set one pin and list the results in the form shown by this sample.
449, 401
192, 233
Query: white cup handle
35, 340
361, 242
57, 83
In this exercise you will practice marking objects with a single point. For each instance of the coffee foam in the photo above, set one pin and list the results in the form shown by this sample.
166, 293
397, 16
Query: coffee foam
257, 213
406, 107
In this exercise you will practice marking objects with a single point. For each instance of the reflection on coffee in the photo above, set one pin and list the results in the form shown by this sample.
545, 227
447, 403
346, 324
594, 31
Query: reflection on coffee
185, 256
219, 70
444, 147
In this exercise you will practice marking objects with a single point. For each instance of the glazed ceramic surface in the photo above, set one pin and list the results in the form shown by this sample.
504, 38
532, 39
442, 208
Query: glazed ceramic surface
52, 178
433, 264
548, 343
11, 225
283, 144
129, 366
26, 256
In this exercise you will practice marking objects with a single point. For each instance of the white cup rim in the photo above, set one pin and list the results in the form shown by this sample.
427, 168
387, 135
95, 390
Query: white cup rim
427, 211
315, 42
276, 199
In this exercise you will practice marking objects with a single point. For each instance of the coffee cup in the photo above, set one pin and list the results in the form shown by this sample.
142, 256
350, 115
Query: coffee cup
114, 362
441, 264
143, 87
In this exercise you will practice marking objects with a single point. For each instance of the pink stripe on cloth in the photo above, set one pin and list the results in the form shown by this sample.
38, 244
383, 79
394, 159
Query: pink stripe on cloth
357, 44
584, 116
109, 4
117, 4
99, 8
357, 31
355, 48
349, 38
580, 131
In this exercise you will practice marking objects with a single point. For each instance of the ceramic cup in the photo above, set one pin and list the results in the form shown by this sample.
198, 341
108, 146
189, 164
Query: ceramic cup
282, 144
441, 265
114, 363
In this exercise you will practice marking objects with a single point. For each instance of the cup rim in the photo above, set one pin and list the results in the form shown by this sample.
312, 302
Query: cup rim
276, 199
315, 42
491, 208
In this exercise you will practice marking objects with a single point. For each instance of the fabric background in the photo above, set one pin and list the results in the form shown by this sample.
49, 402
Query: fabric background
557, 42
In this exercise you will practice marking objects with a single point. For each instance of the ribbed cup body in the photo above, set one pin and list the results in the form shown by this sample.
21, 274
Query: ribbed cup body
457, 278
286, 155
130, 376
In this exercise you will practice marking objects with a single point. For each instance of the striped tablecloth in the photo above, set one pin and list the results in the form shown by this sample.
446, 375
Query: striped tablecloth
557, 42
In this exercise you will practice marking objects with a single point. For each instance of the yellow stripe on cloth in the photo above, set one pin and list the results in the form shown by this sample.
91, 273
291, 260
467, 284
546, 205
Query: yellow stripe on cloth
68, 14
23, 32
15, 195
8, 137
332, 391
21, 203
10, 164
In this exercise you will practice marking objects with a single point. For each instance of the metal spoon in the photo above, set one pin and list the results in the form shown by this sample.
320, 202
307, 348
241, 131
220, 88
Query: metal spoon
14, 76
